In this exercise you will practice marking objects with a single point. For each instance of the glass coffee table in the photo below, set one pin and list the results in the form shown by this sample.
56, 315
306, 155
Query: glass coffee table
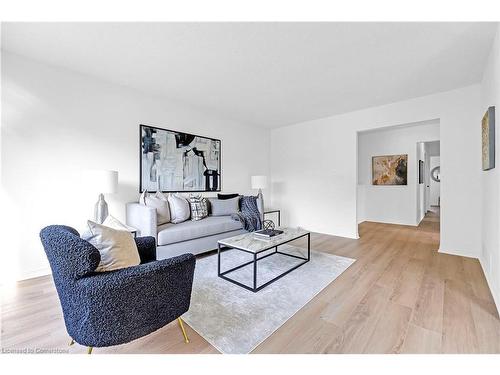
250, 244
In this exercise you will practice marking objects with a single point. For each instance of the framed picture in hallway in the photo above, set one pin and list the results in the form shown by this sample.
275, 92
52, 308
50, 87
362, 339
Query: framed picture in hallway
488, 139
173, 161
390, 170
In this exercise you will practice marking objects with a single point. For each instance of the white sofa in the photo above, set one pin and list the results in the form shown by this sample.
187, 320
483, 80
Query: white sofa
194, 237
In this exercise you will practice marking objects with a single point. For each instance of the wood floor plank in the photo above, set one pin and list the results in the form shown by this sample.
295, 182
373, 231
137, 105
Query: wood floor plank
419, 340
428, 310
293, 332
487, 326
360, 326
459, 331
475, 276
390, 330
451, 267
407, 286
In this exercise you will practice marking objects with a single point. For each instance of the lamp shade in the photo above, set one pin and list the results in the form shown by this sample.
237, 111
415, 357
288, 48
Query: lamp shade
103, 181
259, 182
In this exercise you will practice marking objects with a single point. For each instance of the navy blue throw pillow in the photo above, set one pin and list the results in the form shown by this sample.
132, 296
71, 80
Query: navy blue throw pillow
227, 196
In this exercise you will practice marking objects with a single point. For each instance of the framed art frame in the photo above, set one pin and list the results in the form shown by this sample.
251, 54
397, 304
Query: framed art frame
421, 171
488, 139
390, 170
174, 161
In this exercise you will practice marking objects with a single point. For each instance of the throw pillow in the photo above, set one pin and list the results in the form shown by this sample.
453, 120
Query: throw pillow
179, 208
117, 247
142, 198
114, 223
199, 207
227, 196
224, 207
160, 202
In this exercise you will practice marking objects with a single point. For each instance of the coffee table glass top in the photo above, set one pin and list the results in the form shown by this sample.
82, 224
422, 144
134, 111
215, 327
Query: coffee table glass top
253, 244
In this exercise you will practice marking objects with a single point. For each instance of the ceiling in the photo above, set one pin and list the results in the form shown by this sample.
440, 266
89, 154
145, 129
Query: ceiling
266, 74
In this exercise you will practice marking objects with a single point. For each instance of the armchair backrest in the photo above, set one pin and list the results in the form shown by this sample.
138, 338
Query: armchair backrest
70, 257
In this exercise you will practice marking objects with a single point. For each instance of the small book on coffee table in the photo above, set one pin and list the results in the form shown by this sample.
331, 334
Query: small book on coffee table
267, 233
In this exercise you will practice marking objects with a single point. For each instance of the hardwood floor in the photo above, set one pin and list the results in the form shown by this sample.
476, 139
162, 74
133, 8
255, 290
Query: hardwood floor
400, 296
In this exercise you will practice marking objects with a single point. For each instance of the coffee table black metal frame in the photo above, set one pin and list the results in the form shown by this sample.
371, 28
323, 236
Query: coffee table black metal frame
256, 259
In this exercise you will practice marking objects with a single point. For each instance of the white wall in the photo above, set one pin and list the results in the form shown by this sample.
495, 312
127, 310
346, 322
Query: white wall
56, 122
314, 166
397, 204
490, 246
434, 185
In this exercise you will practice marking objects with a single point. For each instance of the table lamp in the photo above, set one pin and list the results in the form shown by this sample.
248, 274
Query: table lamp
260, 182
103, 182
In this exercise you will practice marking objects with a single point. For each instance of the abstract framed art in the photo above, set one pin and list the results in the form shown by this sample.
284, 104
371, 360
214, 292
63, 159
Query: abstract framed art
390, 170
488, 139
173, 161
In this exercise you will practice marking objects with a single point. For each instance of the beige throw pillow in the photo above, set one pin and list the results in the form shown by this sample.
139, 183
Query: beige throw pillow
117, 247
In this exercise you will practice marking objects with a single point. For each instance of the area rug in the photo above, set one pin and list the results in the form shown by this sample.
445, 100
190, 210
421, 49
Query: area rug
235, 320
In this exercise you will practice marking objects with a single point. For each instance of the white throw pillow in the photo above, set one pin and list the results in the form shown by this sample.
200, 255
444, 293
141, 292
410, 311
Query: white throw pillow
179, 208
160, 202
117, 247
114, 223
142, 198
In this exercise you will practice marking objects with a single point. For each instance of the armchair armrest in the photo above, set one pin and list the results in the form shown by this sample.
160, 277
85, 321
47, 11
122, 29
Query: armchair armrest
147, 248
173, 271
142, 298
143, 218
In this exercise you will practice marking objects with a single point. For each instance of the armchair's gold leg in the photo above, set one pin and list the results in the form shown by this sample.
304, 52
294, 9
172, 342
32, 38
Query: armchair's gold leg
89, 350
183, 330
72, 342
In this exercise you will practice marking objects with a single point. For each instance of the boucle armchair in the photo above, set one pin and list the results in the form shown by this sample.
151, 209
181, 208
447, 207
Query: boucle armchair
111, 308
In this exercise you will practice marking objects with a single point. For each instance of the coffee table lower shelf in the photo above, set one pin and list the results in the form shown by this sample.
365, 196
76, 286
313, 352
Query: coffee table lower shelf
256, 288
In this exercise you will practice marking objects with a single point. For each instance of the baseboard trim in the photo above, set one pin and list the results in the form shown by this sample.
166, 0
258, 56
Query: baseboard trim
458, 253
353, 237
494, 292
390, 222
34, 274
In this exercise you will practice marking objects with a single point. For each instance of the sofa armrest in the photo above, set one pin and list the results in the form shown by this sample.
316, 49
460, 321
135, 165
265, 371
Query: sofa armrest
143, 218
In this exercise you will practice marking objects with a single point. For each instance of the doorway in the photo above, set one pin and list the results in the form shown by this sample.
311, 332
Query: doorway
402, 200
429, 177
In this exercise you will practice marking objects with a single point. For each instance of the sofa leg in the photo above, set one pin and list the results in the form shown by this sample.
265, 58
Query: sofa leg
89, 350
72, 342
183, 330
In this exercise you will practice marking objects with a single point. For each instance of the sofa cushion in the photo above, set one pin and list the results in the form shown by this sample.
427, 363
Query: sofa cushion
188, 230
223, 207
